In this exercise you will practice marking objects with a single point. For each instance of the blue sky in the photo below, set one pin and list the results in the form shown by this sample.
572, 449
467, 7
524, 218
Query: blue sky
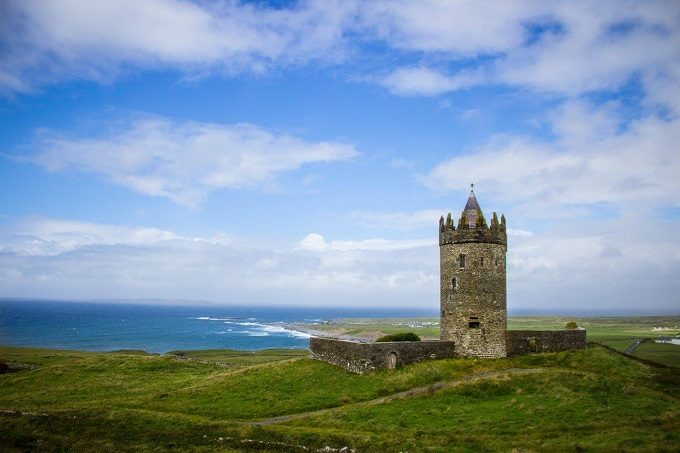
302, 152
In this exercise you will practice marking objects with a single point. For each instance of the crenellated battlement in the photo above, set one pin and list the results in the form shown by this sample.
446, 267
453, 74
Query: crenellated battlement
472, 231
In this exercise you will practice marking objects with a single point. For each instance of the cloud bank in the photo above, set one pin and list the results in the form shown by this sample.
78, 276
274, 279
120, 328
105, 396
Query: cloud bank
545, 46
74, 259
606, 268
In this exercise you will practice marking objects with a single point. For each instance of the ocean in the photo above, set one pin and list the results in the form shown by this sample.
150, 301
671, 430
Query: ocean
95, 326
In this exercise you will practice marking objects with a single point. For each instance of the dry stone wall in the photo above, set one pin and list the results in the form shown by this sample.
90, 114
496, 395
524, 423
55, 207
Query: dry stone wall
521, 342
363, 357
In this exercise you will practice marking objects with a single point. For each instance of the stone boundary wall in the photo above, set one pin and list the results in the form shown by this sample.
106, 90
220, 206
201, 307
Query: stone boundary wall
521, 342
363, 357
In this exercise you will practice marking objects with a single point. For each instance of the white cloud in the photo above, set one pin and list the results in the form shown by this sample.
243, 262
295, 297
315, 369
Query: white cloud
590, 162
316, 242
184, 161
42, 236
400, 220
462, 28
424, 81
313, 241
49, 41
518, 232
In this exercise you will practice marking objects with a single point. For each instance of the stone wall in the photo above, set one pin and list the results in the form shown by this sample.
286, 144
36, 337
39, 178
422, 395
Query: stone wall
521, 342
363, 357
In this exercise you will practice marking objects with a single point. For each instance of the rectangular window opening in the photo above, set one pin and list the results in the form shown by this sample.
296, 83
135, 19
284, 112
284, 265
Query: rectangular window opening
461, 259
474, 324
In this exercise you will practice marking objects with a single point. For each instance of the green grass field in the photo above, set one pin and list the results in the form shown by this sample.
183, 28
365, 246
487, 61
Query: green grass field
668, 354
593, 400
229, 358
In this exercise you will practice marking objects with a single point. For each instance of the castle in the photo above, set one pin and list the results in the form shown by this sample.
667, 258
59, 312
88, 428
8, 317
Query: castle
473, 316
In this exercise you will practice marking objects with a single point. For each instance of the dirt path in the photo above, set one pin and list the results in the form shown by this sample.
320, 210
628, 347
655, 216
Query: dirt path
436, 387
633, 346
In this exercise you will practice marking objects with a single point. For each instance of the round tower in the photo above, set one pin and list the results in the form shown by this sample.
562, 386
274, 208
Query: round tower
472, 282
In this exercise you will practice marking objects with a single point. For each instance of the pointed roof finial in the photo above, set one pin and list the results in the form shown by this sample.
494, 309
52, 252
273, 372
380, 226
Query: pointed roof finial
472, 186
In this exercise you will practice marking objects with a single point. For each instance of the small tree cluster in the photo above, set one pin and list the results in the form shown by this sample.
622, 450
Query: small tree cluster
572, 325
407, 336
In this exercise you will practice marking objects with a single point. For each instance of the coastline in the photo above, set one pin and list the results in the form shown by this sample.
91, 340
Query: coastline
326, 334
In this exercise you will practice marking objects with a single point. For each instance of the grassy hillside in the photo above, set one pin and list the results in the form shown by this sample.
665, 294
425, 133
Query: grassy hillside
594, 400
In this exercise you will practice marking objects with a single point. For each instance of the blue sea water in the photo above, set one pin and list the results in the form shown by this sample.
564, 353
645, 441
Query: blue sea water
158, 328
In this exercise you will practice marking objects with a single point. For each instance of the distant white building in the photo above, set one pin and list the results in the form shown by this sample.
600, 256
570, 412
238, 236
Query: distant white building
668, 340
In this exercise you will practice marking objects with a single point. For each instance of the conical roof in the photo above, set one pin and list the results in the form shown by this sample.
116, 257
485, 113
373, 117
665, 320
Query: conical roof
472, 204
471, 210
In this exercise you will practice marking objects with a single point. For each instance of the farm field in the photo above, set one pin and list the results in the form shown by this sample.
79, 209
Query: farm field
668, 354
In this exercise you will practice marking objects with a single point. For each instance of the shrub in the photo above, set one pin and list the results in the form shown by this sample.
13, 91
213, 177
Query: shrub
572, 325
4, 367
407, 336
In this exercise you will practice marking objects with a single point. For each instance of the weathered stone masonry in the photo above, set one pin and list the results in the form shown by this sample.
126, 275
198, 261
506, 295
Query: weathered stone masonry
362, 357
522, 342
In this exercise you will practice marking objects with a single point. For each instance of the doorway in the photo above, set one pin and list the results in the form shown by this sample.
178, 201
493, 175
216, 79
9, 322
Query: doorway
391, 361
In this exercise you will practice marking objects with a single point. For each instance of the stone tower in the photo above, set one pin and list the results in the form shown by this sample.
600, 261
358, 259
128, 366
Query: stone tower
472, 282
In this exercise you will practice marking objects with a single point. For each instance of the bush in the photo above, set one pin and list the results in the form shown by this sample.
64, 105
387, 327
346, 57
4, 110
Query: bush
572, 325
4, 367
408, 336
